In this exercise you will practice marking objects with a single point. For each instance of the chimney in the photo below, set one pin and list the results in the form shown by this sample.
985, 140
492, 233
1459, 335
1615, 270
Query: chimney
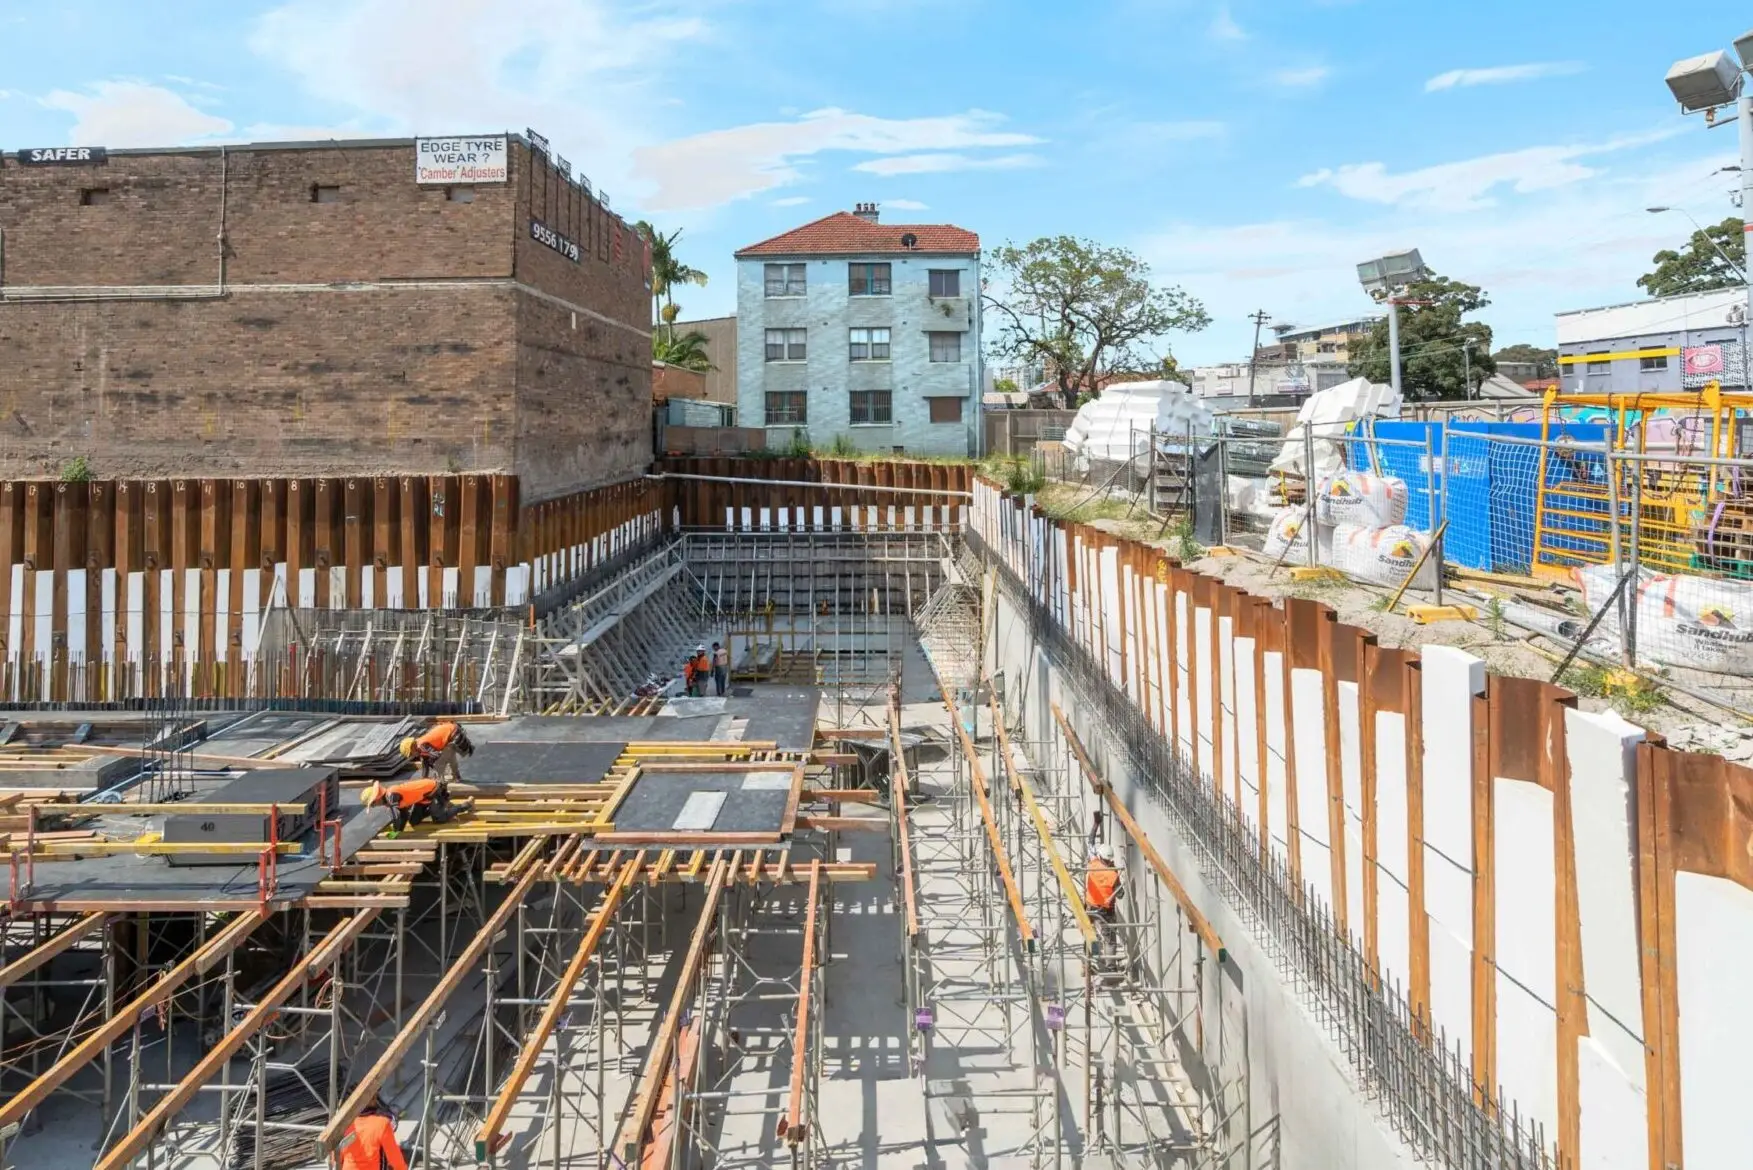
865, 211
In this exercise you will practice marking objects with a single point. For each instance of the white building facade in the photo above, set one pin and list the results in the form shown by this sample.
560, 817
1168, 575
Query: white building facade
852, 329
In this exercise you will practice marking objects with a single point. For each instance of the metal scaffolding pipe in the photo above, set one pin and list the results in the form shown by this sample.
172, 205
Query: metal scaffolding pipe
487, 1138
1012, 892
845, 487
159, 991
342, 1122
657, 1058
326, 952
26, 963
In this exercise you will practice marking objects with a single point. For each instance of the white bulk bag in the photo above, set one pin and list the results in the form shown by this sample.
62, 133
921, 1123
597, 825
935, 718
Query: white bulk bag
1289, 529
1383, 554
1361, 499
1682, 620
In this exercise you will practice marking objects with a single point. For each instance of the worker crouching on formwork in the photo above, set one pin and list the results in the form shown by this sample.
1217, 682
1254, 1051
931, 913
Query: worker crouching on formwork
428, 797
1102, 894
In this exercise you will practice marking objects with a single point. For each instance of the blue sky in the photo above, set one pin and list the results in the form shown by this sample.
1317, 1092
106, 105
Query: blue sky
1251, 150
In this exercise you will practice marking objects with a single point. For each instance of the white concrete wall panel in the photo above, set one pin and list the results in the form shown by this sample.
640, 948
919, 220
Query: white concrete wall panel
1247, 744
1713, 954
1225, 708
1350, 728
1451, 679
1393, 871
1526, 888
1277, 752
1201, 664
1309, 706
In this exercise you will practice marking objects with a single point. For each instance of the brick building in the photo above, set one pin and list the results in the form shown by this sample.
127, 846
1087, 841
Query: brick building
309, 308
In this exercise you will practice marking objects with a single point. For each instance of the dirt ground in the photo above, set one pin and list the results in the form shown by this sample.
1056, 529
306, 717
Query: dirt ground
1685, 721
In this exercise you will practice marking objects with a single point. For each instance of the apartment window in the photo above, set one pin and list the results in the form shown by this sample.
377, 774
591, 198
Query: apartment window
788, 408
321, 194
945, 410
869, 345
872, 406
94, 197
867, 280
785, 345
1650, 365
784, 280
946, 282
1598, 363
459, 194
946, 347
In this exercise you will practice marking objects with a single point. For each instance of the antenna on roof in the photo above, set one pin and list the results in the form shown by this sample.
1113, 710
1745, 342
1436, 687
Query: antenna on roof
909, 241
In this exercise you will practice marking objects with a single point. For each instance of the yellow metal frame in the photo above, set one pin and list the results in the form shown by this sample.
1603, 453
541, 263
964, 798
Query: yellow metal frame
1675, 497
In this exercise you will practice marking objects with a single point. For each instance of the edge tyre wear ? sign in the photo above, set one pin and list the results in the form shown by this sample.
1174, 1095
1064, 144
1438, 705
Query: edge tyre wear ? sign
460, 160
64, 156
543, 234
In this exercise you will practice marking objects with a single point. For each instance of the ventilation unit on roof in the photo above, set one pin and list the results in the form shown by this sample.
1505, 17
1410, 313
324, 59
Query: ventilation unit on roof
909, 241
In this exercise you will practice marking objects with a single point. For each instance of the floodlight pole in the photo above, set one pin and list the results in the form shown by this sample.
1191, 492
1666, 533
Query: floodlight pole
1394, 343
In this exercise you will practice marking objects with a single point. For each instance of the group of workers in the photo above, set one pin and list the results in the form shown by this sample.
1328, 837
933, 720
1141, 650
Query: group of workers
699, 667
427, 797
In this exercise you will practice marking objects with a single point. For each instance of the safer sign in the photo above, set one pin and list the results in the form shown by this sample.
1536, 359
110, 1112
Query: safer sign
63, 156
460, 160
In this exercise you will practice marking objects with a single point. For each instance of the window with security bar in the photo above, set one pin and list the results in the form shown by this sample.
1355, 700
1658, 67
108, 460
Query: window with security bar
787, 408
871, 407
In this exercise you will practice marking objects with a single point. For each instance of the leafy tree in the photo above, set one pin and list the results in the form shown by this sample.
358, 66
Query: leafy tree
1700, 267
1545, 361
686, 351
1082, 309
667, 271
1432, 333
1005, 386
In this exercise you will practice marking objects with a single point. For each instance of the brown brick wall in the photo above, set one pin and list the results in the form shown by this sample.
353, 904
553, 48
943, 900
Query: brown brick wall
584, 400
275, 381
412, 380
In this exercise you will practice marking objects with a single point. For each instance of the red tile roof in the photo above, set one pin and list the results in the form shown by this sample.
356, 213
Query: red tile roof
845, 234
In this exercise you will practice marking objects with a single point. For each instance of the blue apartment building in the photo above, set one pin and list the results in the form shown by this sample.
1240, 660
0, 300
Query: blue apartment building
851, 327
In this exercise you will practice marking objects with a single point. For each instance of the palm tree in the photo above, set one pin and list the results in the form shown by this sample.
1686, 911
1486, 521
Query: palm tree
666, 272
686, 352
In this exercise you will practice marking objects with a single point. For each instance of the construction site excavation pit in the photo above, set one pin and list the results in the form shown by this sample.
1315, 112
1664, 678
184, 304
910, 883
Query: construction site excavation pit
838, 915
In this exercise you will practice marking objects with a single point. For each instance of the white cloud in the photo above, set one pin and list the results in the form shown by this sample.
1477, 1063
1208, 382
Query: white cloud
1502, 74
1559, 248
791, 201
1304, 78
937, 164
1468, 184
1186, 131
132, 113
1224, 26
905, 205
570, 68
708, 169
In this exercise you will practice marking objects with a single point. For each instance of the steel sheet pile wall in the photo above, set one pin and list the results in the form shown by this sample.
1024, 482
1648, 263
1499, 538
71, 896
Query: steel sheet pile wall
935, 499
1568, 903
113, 585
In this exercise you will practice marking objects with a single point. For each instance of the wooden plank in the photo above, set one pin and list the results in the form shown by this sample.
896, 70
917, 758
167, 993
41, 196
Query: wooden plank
469, 536
325, 528
843, 824
366, 1087
502, 538
35, 958
977, 780
791, 1125
355, 537
215, 1059
487, 1137
898, 782
657, 1057
385, 525
122, 1019
1195, 917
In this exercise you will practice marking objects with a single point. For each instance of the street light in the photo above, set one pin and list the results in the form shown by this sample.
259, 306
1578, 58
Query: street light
1708, 83
1382, 278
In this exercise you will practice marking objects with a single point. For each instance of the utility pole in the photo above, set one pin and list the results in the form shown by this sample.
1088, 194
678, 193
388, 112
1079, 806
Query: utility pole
1259, 318
1467, 367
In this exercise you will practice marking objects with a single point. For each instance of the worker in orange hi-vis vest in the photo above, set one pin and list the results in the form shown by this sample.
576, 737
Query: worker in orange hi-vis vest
412, 801
371, 1141
437, 750
1101, 886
